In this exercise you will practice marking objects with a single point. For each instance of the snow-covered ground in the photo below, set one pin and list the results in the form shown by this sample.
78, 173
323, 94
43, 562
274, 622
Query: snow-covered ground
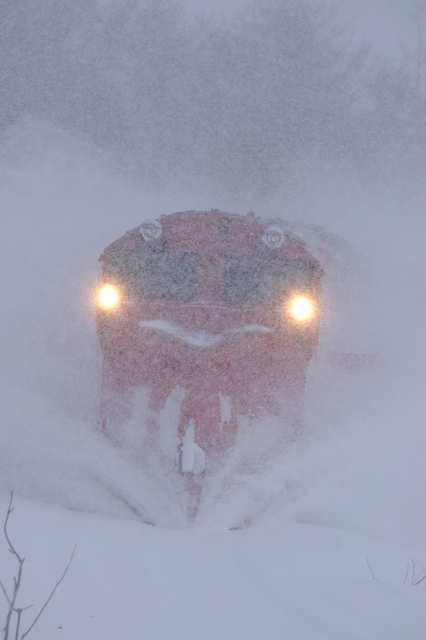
130, 580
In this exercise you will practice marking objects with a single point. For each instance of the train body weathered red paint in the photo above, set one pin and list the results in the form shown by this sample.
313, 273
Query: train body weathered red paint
223, 306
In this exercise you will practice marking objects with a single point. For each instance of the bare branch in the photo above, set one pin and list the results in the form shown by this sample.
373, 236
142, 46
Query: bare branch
419, 581
17, 584
50, 597
417, 576
406, 575
11, 547
5, 592
24, 608
16, 581
369, 566
18, 623
420, 576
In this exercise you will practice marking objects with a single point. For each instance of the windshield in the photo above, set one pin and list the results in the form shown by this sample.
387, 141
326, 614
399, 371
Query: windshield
249, 280
172, 275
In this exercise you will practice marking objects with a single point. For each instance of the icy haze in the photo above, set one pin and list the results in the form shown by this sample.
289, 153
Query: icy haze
115, 112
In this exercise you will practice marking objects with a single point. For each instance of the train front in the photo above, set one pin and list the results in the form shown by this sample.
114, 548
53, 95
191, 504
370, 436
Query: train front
223, 307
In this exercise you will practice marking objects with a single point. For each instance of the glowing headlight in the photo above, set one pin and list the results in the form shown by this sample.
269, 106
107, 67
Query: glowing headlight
301, 308
108, 296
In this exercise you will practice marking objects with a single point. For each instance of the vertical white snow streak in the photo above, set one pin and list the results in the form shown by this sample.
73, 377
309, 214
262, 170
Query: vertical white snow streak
225, 409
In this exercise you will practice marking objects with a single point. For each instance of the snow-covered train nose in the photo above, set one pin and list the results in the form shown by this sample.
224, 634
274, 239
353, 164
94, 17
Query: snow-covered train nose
201, 339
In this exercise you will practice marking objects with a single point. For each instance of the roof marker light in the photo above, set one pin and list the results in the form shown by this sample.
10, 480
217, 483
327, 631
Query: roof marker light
151, 230
273, 237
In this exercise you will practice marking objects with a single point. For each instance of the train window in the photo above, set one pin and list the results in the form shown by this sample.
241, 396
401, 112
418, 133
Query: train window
171, 275
248, 280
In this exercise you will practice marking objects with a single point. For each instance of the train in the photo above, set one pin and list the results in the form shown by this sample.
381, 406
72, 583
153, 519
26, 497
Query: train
223, 306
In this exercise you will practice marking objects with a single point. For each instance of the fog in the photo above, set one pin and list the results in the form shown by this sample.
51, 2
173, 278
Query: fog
113, 114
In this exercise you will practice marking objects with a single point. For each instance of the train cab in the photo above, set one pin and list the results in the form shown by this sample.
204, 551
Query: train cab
226, 307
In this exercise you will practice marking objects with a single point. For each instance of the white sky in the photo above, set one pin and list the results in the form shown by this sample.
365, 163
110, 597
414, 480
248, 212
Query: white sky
386, 23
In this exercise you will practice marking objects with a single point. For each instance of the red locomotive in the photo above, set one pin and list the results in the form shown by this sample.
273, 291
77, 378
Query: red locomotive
224, 306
